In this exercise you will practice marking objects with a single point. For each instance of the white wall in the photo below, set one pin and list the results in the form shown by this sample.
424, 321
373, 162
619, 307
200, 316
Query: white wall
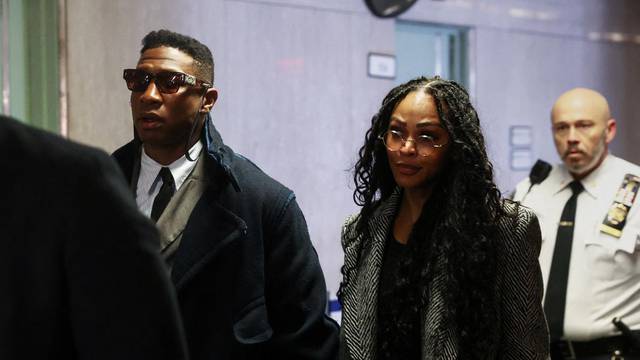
294, 91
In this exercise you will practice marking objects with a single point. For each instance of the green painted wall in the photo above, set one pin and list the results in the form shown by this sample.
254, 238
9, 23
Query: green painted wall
33, 62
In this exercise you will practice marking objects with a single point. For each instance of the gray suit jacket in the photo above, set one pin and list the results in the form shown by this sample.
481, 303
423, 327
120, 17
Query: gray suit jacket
175, 217
523, 333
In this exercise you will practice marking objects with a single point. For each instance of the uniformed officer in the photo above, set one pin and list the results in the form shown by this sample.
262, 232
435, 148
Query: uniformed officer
590, 224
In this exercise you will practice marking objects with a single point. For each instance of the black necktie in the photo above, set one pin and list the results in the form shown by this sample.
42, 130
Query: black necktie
164, 195
556, 297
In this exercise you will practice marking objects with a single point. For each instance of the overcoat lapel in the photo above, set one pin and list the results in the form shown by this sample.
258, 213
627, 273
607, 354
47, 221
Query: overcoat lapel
361, 301
210, 228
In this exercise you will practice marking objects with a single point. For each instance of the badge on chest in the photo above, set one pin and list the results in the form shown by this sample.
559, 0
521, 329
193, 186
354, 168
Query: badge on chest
616, 217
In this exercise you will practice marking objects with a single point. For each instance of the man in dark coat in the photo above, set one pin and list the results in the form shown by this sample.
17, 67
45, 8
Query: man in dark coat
248, 279
80, 273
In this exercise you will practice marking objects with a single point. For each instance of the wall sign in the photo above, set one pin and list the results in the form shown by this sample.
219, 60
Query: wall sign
381, 66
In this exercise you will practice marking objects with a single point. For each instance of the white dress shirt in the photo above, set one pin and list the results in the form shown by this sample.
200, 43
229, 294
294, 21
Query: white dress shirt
149, 181
604, 272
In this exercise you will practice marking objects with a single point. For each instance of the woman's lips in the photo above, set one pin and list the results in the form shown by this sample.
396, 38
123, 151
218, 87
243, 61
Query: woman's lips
406, 169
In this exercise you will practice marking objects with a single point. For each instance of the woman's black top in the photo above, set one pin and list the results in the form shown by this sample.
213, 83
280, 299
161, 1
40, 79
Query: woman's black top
401, 285
398, 319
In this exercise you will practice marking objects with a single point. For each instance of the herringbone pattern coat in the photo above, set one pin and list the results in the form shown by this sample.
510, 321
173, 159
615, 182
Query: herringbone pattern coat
522, 330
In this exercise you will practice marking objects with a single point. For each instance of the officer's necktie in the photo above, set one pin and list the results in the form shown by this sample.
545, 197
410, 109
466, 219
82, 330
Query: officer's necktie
164, 195
555, 299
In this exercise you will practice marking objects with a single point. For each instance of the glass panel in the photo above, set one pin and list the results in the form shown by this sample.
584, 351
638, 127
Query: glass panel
426, 49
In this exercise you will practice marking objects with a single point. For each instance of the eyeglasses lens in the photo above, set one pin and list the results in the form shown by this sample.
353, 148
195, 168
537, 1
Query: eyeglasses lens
136, 80
423, 145
166, 82
393, 140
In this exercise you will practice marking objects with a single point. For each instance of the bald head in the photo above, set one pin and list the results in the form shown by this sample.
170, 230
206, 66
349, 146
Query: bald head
582, 129
591, 104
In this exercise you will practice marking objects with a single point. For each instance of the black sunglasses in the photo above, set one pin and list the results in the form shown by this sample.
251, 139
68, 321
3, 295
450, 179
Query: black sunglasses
167, 82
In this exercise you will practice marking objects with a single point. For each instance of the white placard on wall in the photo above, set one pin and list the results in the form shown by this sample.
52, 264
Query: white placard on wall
521, 136
381, 66
521, 159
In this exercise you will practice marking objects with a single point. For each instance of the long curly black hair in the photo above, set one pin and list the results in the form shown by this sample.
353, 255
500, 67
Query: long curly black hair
460, 233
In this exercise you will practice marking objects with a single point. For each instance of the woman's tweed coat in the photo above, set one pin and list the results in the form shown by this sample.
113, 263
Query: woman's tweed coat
522, 327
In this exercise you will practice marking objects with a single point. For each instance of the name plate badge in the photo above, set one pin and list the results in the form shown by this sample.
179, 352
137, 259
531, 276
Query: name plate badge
617, 215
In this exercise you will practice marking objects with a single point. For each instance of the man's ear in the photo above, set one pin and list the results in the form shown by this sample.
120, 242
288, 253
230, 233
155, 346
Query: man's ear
210, 98
611, 130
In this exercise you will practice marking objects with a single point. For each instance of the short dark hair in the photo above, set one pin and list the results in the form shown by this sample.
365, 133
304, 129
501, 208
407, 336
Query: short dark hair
203, 59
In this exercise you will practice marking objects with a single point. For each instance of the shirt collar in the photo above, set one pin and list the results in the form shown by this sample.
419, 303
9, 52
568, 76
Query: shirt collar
180, 169
592, 183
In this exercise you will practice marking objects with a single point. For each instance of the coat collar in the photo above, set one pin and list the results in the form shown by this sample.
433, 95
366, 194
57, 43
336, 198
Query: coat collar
222, 156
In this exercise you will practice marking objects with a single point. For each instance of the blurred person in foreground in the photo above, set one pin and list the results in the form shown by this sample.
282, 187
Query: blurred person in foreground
81, 276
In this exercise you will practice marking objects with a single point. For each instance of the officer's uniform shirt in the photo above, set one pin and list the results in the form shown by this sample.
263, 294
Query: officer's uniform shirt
604, 273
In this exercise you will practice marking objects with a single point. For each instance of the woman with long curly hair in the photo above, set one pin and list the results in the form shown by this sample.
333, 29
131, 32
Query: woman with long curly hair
437, 264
